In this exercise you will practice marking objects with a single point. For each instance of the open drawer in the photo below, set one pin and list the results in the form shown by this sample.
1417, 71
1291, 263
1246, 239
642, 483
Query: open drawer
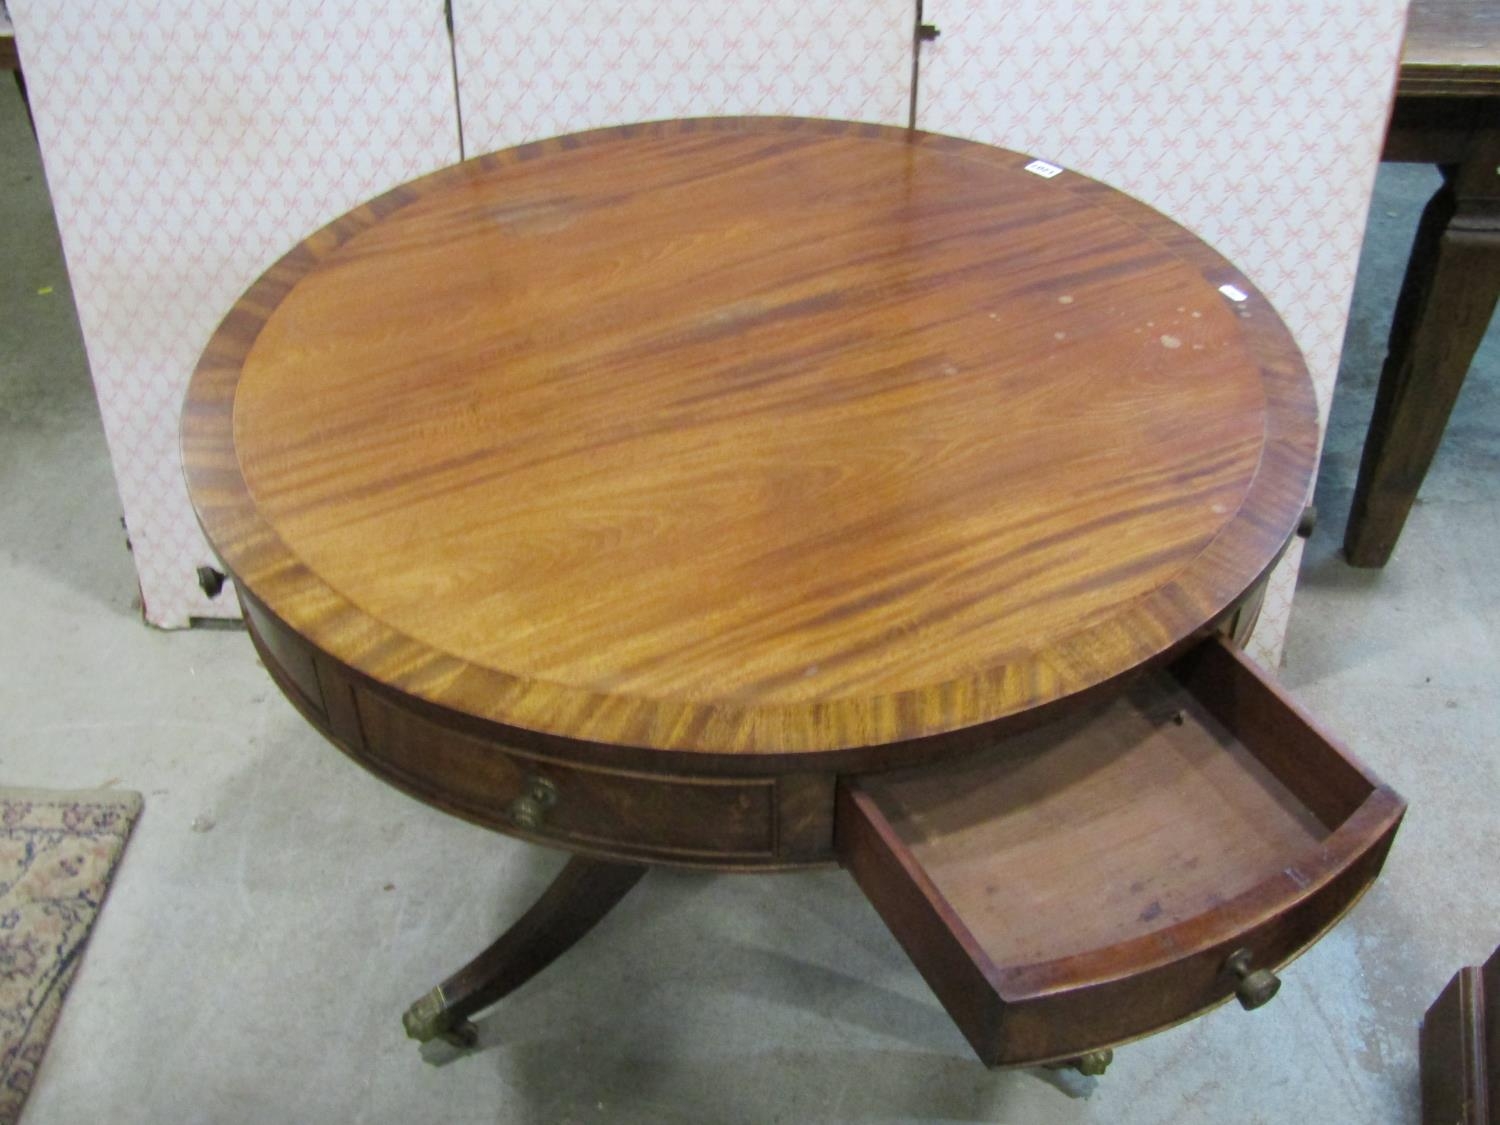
1119, 871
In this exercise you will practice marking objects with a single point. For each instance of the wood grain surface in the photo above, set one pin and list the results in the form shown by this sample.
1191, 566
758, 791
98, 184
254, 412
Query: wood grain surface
748, 437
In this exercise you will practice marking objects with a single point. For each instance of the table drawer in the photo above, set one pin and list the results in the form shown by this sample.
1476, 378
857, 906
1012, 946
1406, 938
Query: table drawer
1091, 881
617, 811
781, 820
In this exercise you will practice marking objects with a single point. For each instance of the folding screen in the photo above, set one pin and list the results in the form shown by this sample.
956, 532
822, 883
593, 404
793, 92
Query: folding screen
578, 64
187, 146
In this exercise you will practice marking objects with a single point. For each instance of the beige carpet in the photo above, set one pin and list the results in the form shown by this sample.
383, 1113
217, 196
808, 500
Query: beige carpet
58, 853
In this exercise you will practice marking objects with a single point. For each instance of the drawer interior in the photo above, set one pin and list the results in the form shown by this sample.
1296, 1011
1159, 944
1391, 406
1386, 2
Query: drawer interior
1148, 805
1095, 873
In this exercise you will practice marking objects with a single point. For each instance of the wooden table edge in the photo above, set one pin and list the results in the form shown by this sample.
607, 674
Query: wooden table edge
855, 731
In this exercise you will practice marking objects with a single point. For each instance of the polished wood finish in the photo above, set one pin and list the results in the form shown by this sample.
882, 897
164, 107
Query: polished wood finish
753, 438
1447, 112
650, 493
575, 902
1088, 882
1460, 1049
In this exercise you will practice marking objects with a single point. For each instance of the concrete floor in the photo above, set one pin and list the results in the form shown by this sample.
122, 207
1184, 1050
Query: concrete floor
279, 908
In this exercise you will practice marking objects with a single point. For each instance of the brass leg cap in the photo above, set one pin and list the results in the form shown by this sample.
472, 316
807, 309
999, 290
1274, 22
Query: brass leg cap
1094, 1063
427, 1019
462, 1034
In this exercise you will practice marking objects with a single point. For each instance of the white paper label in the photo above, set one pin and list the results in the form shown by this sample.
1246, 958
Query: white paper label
1234, 293
1043, 169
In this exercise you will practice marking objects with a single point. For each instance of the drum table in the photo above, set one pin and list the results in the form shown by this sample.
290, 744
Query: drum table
759, 493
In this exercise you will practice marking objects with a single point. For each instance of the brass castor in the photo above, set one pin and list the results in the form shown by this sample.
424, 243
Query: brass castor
1091, 1065
429, 1019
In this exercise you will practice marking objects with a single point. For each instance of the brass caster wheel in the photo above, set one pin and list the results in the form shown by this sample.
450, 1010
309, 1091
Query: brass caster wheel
462, 1034
429, 1019
1091, 1065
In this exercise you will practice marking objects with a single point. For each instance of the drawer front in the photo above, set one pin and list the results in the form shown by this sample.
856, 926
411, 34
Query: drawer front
286, 655
1093, 881
566, 804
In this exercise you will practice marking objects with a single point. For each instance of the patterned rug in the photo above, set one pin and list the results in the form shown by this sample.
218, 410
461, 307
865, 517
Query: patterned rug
58, 852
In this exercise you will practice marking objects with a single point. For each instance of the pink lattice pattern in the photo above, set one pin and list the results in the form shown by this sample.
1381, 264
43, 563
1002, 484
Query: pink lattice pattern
188, 144
580, 64
1257, 125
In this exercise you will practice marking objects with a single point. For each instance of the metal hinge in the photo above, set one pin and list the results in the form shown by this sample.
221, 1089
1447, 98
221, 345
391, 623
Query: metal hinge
923, 32
458, 105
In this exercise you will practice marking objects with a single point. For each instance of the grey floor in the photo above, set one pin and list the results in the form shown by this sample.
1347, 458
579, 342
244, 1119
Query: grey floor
278, 908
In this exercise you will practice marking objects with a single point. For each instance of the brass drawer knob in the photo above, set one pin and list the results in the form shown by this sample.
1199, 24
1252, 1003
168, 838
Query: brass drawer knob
529, 810
1256, 986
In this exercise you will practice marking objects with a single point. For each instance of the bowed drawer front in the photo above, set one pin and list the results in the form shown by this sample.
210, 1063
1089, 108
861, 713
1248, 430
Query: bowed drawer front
1120, 871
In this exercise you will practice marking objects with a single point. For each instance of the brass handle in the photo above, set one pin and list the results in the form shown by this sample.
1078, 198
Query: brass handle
1256, 986
538, 796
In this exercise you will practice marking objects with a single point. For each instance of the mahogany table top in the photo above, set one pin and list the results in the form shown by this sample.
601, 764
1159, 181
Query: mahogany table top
749, 436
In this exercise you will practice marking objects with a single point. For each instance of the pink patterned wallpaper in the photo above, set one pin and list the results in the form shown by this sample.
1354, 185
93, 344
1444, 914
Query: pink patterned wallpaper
1258, 125
188, 144
588, 63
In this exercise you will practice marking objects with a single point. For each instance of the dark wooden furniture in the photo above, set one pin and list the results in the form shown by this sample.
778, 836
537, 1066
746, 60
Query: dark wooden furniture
1460, 1049
760, 493
10, 59
1447, 113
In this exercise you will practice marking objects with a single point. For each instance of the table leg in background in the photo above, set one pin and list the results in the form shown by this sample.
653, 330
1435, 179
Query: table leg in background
1449, 292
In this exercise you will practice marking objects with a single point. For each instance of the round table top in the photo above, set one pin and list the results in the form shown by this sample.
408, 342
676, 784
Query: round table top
755, 436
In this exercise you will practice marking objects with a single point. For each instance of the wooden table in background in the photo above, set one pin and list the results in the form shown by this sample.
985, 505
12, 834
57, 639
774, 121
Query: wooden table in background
1447, 113
760, 493
1460, 1049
